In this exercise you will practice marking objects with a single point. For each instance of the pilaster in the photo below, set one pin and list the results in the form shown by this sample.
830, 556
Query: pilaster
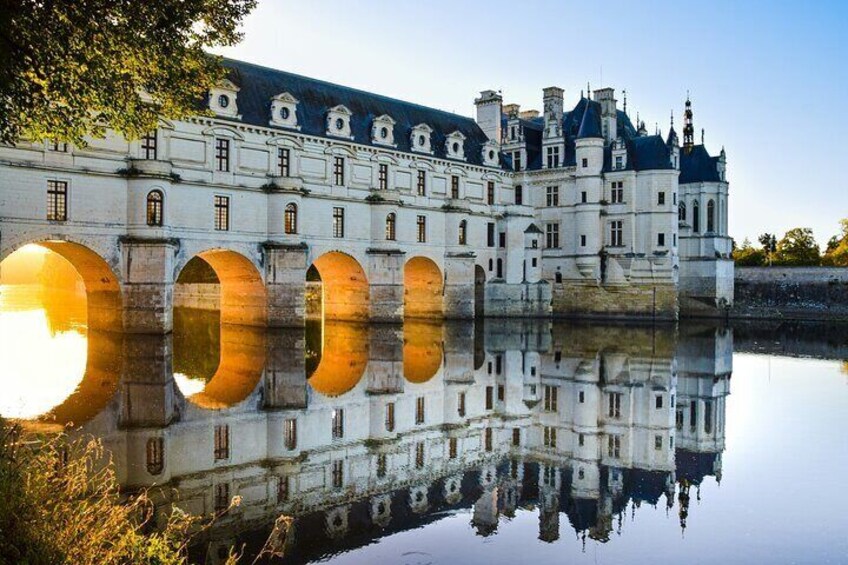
385, 280
148, 284
285, 283
459, 286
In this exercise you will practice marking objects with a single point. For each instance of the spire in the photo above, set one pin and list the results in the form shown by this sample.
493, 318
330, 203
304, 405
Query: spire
702, 136
688, 128
624, 92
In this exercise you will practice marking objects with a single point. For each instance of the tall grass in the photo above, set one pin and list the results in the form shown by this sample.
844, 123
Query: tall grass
59, 503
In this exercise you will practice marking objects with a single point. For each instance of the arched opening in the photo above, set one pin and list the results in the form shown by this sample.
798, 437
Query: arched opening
223, 280
337, 288
710, 216
696, 217
423, 287
336, 356
216, 365
53, 295
479, 291
681, 212
422, 350
155, 208
291, 218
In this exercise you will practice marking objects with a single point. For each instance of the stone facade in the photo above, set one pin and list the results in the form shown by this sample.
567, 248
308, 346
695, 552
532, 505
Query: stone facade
289, 173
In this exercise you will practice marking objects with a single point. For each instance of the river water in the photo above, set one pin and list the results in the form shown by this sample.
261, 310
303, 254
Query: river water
504, 442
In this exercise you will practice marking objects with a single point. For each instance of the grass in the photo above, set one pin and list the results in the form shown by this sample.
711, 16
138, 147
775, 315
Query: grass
60, 503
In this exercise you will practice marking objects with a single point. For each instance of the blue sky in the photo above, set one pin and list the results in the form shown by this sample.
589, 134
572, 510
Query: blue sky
767, 80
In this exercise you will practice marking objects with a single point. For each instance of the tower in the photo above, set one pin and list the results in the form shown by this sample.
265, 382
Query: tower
688, 128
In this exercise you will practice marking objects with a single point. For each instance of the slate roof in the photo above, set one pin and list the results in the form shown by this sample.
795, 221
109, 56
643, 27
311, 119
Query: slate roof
259, 84
590, 125
698, 166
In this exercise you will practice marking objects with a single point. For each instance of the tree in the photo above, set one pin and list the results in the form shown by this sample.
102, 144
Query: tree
748, 255
769, 243
797, 248
836, 254
73, 68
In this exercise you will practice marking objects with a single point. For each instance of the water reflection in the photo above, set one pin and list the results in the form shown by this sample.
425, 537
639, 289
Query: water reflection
418, 437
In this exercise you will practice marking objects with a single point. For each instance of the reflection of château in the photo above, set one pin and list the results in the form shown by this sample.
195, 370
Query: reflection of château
394, 424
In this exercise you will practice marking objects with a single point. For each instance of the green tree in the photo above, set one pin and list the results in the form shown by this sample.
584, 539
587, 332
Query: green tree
748, 255
797, 248
836, 254
73, 68
769, 243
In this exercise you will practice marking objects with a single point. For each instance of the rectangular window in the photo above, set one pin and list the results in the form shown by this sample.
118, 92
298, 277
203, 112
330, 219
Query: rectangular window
460, 409
421, 222
614, 446
501, 393
222, 213
338, 222
498, 360
658, 401
222, 442
502, 239
490, 193
519, 195
617, 233
148, 146
222, 497
552, 235
57, 200
553, 157
390, 417
708, 417
222, 154
490, 234
283, 162
419, 455
282, 489
516, 437
614, 405
338, 474
617, 193
291, 434
454, 186
419, 410
338, 171
551, 393
581, 440
585, 163
619, 162
516, 161
452, 448
490, 397
582, 241
549, 436
422, 183
584, 197
381, 465
660, 198
658, 443
488, 439
384, 176
581, 397
660, 240
338, 423
552, 196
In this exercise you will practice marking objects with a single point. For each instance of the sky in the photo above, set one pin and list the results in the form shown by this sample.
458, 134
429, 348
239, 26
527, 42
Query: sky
766, 79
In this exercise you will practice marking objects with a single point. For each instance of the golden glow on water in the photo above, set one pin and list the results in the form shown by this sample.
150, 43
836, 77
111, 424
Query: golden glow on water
43, 349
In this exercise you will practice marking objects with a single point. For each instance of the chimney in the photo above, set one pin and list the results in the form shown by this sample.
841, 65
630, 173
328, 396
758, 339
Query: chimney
489, 114
609, 116
552, 100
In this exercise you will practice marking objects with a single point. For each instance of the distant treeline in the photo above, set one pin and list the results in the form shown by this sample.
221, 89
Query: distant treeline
797, 248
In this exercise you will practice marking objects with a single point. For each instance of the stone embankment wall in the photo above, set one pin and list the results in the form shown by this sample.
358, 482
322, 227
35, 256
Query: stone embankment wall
792, 293
200, 296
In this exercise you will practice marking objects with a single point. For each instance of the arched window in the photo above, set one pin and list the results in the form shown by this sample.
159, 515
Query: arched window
291, 218
155, 455
391, 223
696, 217
155, 201
711, 216
463, 232
681, 212
519, 194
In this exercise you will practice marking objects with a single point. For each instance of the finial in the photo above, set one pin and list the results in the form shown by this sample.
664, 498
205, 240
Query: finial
588, 91
624, 92
702, 136
581, 93
672, 118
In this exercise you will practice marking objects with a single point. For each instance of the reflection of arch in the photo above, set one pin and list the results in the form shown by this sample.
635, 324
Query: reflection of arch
344, 356
344, 287
240, 354
103, 293
243, 299
103, 369
480, 290
422, 351
423, 286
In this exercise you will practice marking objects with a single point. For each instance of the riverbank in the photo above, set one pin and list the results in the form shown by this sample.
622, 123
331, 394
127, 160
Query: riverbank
791, 293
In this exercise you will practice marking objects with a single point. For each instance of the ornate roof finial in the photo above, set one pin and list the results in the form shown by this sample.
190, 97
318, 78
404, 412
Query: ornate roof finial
672, 117
624, 92
588, 91
702, 136
688, 127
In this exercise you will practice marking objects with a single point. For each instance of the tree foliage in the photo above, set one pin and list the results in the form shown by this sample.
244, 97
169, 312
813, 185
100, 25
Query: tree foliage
797, 248
836, 254
748, 255
72, 68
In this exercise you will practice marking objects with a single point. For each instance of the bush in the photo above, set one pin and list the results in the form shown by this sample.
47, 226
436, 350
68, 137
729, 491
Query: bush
60, 503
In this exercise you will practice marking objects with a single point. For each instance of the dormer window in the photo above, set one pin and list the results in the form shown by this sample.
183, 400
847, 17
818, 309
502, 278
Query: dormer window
455, 145
222, 99
420, 139
490, 153
338, 122
382, 130
284, 111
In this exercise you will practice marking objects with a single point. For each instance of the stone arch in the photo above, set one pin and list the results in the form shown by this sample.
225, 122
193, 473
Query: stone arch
344, 287
243, 297
102, 285
423, 289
